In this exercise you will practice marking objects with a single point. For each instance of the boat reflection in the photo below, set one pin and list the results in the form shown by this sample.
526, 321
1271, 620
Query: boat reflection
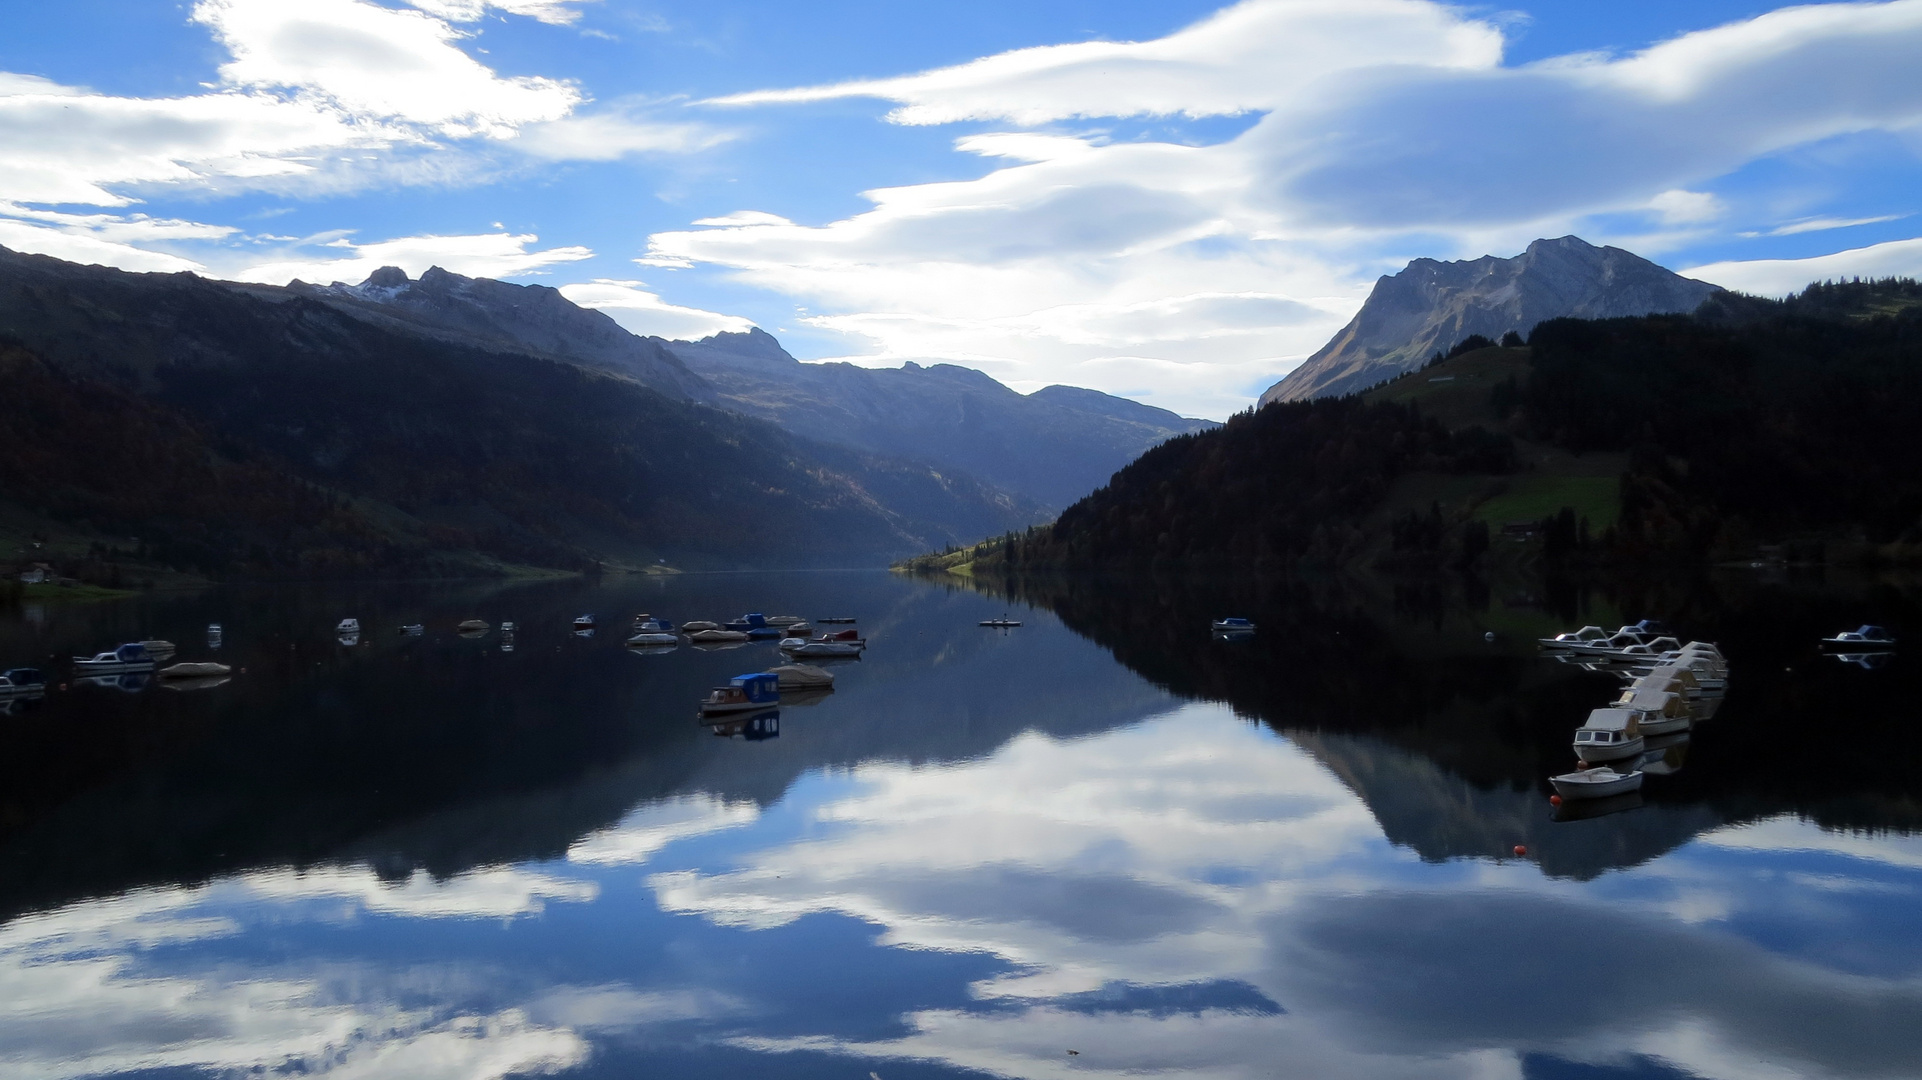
131, 682
1586, 809
755, 728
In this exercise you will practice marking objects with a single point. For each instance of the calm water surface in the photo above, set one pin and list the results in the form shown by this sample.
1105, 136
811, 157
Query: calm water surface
1101, 844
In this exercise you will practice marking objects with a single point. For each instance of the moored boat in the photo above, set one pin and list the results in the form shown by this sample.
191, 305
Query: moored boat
583, 622
22, 680
473, 626
783, 620
347, 626
697, 625
801, 677
1233, 626
743, 693
652, 637
194, 671
1609, 735
1864, 638
1002, 623
705, 636
839, 619
821, 649
1599, 782
798, 630
132, 656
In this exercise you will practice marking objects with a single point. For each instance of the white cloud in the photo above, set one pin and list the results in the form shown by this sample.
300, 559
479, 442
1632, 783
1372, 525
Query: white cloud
1255, 55
376, 62
1779, 277
616, 132
1389, 130
645, 313
495, 255
552, 12
1824, 224
647, 829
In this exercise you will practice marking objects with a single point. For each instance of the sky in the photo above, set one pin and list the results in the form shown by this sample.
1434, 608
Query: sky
1176, 202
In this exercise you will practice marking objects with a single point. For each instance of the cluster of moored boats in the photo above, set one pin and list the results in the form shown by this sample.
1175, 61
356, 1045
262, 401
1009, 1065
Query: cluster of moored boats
1670, 687
126, 667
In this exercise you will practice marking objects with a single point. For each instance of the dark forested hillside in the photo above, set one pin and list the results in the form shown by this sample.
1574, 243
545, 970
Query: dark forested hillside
280, 435
1752, 422
1270, 487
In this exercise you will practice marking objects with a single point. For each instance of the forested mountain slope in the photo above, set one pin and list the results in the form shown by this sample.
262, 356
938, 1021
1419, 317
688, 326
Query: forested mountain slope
250, 432
1753, 422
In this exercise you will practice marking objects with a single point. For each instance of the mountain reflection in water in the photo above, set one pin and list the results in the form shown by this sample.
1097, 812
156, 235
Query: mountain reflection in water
428, 857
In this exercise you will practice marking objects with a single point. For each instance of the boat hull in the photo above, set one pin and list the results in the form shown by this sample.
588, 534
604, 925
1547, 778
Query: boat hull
823, 648
1576, 786
1609, 751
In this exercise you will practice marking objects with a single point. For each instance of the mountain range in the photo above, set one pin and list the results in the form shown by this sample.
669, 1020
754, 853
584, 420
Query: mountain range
1052, 446
1430, 306
248, 430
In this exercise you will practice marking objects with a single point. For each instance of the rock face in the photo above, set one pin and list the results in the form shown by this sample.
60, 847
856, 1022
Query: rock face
526, 319
1053, 446
1432, 305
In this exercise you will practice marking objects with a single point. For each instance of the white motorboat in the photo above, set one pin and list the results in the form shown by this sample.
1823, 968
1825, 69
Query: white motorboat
796, 647
798, 630
1864, 638
1609, 735
507, 626
25, 680
347, 626
132, 656
743, 693
702, 637
1662, 713
654, 638
194, 671
801, 677
697, 625
583, 622
214, 635
782, 620
1587, 635
1232, 626
1599, 782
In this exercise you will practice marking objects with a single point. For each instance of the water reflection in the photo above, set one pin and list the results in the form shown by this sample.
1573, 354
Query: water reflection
428, 858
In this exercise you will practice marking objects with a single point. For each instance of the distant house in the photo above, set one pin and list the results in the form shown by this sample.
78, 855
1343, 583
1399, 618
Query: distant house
38, 575
1520, 528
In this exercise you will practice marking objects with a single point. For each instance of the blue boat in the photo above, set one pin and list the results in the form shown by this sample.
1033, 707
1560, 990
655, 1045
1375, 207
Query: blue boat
751, 621
22, 680
760, 690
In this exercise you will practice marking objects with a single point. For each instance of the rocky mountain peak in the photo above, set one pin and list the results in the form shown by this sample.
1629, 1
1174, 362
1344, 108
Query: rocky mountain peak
1431, 305
388, 277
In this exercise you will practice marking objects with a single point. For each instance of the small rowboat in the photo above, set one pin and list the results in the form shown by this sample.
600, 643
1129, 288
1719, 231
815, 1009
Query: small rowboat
1596, 783
1002, 623
1228, 626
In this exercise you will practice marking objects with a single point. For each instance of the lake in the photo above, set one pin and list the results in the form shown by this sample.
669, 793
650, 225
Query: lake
1103, 843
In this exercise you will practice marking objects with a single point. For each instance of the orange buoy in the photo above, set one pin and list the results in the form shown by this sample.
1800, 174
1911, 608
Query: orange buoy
1554, 800
1521, 849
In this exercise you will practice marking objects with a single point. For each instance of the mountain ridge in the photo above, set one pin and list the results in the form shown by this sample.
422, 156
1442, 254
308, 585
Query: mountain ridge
1052, 446
1431, 305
